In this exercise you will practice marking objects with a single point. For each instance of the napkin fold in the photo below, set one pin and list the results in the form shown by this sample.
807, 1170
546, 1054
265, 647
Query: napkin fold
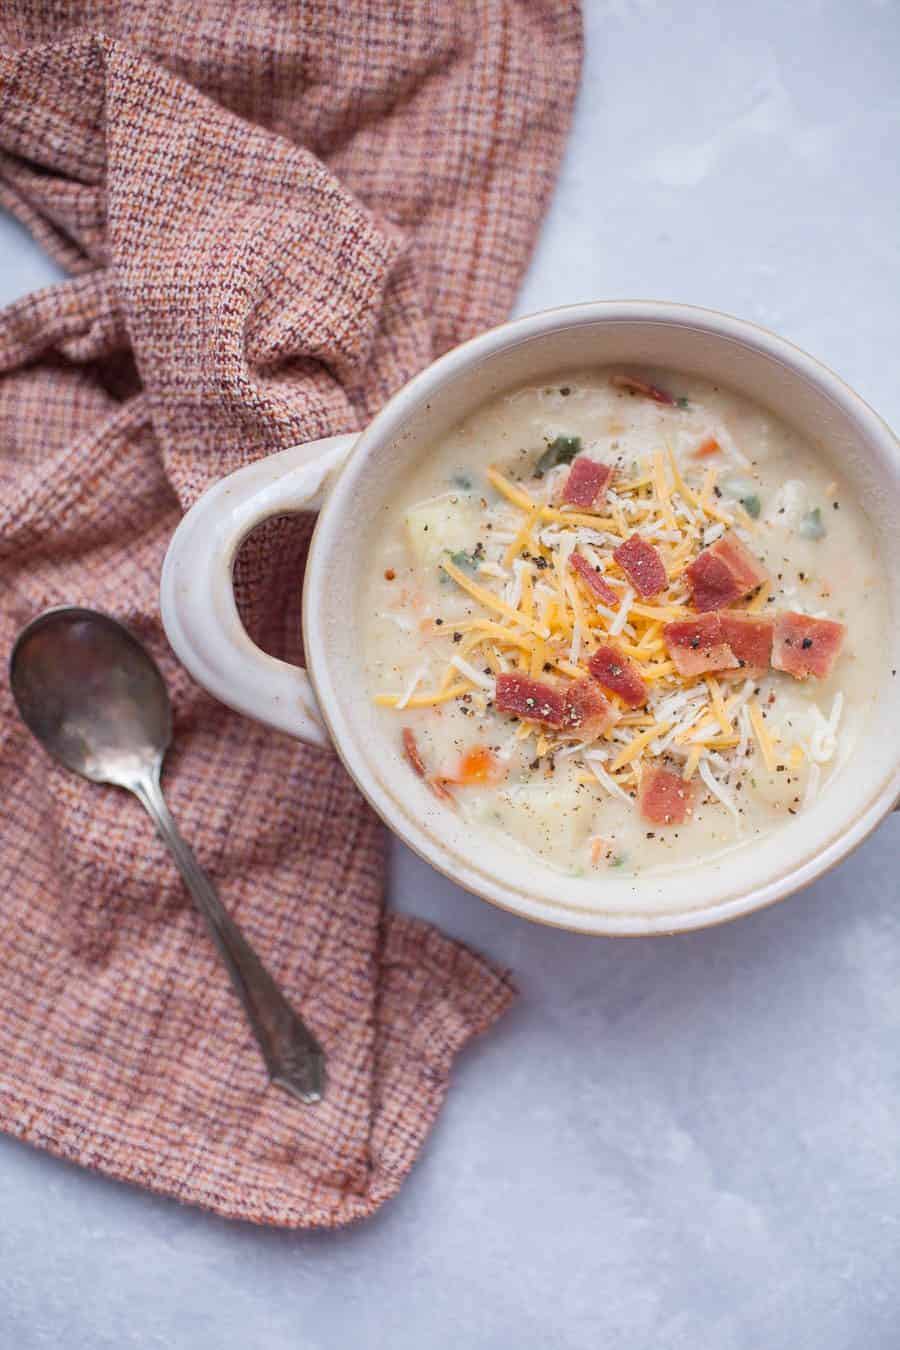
272, 216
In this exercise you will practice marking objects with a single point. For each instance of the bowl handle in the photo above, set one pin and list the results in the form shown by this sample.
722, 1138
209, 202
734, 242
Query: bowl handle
199, 612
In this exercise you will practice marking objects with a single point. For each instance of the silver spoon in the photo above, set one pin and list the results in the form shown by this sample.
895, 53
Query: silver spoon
93, 696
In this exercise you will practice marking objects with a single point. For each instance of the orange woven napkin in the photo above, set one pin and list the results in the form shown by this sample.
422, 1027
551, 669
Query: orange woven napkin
273, 214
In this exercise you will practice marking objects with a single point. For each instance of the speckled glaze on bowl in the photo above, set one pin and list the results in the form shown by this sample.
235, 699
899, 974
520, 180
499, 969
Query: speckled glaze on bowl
350, 479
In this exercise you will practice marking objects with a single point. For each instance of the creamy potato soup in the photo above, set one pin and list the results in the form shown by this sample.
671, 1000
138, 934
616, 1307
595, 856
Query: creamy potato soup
626, 620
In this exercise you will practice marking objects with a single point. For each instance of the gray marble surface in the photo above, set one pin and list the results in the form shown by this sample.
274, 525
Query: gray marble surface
683, 1144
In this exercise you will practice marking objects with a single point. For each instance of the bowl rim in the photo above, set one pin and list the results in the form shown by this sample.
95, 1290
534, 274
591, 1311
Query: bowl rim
397, 814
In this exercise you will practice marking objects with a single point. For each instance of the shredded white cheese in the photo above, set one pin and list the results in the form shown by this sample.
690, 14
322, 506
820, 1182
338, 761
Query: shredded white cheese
719, 790
593, 761
812, 787
413, 685
476, 676
513, 593
621, 618
744, 730
489, 569
837, 708
822, 740
405, 625
728, 444
554, 479
575, 648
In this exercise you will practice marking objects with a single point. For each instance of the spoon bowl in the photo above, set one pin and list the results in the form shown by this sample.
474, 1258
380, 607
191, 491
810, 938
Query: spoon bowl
92, 694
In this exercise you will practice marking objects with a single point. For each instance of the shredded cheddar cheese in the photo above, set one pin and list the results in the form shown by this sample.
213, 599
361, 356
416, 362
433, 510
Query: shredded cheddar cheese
522, 538
535, 615
763, 738
425, 700
485, 597
634, 747
508, 490
691, 763
718, 705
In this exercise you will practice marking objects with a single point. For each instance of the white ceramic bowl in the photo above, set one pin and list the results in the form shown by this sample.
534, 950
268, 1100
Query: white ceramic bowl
352, 480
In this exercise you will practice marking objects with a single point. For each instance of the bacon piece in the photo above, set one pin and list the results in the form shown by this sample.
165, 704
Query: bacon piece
723, 573
711, 582
747, 570
750, 638
664, 798
593, 580
529, 699
698, 645
586, 712
613, 670
438, 787
804, 646
642, 565
636, 386
587, 483
411, 750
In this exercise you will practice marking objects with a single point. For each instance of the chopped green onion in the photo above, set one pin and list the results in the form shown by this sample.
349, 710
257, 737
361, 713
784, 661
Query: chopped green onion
462, 480
751, 505
682, 402
466, 561
561, 451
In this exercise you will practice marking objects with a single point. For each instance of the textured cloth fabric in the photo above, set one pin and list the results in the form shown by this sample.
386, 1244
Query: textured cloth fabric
272, 215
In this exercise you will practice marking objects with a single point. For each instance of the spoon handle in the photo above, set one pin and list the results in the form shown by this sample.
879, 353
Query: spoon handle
293, 1056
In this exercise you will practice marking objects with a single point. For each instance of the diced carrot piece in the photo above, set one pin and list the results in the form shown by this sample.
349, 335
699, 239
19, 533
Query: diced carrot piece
478, 765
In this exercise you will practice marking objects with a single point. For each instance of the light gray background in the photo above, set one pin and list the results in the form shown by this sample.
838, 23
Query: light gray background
669, 1143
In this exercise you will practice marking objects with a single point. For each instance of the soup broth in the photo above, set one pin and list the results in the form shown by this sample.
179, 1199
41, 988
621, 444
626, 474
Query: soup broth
623, 620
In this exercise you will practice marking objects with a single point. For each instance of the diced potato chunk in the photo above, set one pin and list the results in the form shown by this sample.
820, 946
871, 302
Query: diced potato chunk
440, 526
780, 789
548, 817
